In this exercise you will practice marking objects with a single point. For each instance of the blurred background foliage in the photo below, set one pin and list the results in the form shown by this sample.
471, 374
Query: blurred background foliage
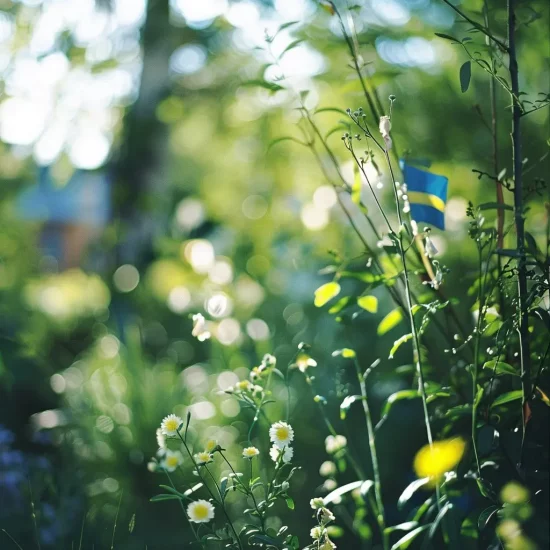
139, 186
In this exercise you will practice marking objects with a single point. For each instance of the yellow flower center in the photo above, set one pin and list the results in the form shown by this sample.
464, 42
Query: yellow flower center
211, 445
172, 461
200, 511
282, 433
171, 425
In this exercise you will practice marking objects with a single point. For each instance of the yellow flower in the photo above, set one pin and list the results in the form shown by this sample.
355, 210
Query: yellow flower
200, 511
441, 457
281, 434
250, 452
169, 425
203, 457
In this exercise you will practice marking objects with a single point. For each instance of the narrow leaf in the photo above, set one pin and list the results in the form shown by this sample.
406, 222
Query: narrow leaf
500, 367
406, 541
398, 343
325, 293
507, 397
391, 320
465, 76
337, 493
368, 303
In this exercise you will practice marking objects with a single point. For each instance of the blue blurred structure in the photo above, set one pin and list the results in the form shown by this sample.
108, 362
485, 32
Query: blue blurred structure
427, 194
72, 214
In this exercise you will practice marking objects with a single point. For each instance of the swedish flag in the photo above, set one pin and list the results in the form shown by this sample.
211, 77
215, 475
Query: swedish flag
427, 194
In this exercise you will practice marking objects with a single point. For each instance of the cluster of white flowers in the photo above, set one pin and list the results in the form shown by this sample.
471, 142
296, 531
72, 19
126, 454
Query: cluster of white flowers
281, 435
246, 387
324, 516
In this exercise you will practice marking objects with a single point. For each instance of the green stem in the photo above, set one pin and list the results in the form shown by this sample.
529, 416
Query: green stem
416, 339
374, 456
523, 322
183, 510
479, 27
220, 503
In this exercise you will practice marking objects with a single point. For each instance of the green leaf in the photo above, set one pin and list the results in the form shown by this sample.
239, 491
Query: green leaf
331, 110
291, 46
356, 187
289, 503
285, 138
347, 403
447, 37
433, 529
368, 303
337, 493
500, 367
410, 490
391, 320
507, 398
171, 490
347, 353
260, 83
158, 498
406, 541
465, 76
325, 293
398, 396
397, 344
406, 526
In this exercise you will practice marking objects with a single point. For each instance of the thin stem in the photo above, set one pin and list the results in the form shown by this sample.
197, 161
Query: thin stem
523, 323
220, 503
374, 456
416, 339
479, 27
183, 510
358, 470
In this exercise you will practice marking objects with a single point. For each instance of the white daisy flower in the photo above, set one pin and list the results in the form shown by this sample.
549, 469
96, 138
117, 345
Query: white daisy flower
200, 331
243, 385
250, 452
172, 459
203, 457
169, 426
281, 434
211, 444
200, 511
275, 453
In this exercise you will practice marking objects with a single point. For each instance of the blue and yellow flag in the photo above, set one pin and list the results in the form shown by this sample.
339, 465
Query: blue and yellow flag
427, 194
